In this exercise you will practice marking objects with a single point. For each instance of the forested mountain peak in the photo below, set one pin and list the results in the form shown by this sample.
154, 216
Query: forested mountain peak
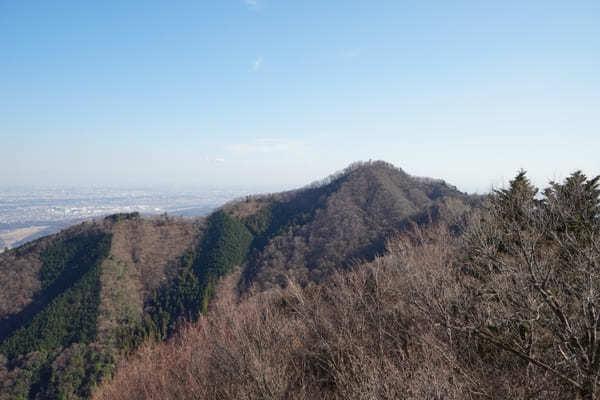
78, 301
304, 234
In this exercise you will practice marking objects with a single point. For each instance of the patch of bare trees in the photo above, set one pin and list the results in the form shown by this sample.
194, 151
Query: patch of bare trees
506, 307
528, 283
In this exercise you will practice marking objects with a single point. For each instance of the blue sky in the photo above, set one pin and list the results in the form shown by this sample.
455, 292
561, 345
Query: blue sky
280, 93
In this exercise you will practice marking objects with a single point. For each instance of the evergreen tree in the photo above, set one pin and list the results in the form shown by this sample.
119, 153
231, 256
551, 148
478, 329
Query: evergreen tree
536, 270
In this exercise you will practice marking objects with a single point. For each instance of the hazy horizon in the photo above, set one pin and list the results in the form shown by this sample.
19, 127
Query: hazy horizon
497, 182
260, 93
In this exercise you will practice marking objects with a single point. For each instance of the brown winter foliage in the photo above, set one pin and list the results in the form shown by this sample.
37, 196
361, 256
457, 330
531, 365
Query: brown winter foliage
505, 305
360, 334
150, 247
145, 254
18, 280
370, 285
147, 250
350, 337
345, 218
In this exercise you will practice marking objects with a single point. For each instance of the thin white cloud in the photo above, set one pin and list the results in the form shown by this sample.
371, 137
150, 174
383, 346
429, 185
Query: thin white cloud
212, 160
251, 3
257, 64
263, 146
351, 53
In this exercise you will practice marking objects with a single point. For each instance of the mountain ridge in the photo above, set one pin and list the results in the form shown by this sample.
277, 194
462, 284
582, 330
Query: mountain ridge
157, 271
362, 205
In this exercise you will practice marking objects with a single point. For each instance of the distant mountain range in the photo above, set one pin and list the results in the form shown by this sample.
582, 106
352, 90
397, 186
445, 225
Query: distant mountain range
72, 304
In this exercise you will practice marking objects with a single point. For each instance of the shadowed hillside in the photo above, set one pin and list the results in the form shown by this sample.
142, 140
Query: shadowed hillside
305, 234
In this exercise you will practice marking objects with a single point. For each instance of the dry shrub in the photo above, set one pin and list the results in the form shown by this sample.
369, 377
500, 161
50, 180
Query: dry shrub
375, 332
354, 336
432, 262
235, 351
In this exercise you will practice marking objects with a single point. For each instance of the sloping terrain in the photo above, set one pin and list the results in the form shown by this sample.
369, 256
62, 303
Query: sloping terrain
353, 336
20, 277
78, 301
145, 254
502, 306
307, 233
67, 295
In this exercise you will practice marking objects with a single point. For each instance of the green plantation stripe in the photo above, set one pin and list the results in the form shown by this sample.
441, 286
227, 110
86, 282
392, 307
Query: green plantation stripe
69, 259
225, 245
71, 316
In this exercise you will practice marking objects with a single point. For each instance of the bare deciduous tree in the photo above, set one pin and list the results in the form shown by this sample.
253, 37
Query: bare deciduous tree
533, 276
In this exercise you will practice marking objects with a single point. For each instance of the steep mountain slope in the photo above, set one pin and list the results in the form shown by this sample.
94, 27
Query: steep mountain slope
145, 255
77, 301
353, 336
305, 234
73, 292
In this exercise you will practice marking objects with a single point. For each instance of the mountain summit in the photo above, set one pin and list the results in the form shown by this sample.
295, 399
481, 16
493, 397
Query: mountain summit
349, 216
